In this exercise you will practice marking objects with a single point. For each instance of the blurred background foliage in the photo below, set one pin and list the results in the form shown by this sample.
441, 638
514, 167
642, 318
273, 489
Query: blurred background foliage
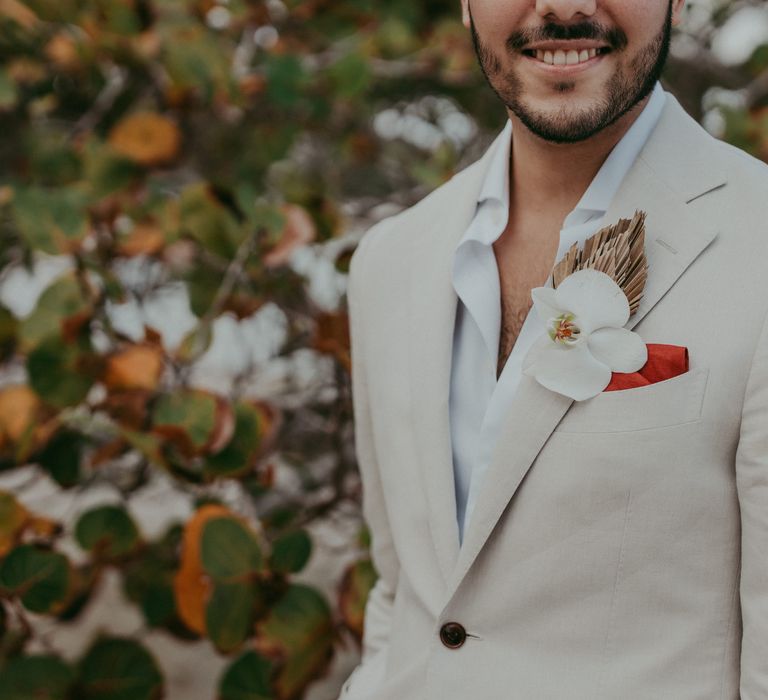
195, 150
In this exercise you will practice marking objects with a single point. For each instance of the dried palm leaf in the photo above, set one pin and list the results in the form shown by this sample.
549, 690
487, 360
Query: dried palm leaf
618, 251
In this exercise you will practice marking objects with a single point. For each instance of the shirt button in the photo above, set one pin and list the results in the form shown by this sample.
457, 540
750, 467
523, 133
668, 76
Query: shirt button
452, 635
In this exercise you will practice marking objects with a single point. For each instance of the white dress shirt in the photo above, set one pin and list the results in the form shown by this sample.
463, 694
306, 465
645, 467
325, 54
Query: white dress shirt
478, 401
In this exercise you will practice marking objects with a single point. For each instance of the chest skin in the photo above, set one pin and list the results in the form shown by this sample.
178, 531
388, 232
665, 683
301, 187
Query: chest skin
523, 264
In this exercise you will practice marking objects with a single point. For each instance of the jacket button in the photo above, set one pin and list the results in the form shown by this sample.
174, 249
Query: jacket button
452, 635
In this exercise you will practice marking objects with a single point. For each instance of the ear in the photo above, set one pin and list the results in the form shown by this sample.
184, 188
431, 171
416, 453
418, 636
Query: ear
677, 11
465, 13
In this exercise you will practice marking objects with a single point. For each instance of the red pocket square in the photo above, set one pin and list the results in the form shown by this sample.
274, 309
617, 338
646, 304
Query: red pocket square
664, 362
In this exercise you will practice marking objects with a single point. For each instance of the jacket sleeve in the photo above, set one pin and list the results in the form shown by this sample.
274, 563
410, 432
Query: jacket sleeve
369, 674
752, 486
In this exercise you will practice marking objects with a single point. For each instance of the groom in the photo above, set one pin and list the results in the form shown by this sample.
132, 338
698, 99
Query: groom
531, 546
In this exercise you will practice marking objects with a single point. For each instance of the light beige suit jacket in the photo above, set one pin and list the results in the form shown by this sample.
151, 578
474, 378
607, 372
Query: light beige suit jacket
619, 546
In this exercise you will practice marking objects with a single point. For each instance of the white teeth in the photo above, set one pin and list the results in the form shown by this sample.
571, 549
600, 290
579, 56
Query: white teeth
565, 58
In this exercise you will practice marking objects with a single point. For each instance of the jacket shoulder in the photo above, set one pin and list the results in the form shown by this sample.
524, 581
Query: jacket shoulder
394, 234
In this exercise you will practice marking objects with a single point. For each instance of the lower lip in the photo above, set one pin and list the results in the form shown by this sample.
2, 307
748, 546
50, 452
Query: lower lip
566, 69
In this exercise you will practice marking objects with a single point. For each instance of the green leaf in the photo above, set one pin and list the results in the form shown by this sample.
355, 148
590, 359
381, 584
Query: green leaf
63, 299
248, 678
351, 75
202, 285
106, 171
298, 629
148, 580
44, 677
61, 457
52, 220
291, 552
355, 587
192, 412
56, 372
285, 80
119, 669
193, 59
229, 615
8, 93
228, 550
39, 576
237, 457
206, 220
107, 531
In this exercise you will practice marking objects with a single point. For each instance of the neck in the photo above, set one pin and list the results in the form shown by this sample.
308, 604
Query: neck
550, 178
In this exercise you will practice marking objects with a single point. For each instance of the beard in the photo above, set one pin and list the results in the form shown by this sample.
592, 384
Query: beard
621, 94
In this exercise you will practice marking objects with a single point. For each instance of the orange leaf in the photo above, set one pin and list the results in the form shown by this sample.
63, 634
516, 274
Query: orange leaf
191, 585
136, 367
19, 12
270, 422
62, 51
146, 137
19, 412
299, 230
144, 239
15, 520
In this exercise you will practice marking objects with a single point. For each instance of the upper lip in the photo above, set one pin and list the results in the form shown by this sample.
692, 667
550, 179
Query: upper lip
569, 45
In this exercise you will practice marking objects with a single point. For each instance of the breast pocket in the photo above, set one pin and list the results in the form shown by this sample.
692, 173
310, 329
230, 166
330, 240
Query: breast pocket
670, 402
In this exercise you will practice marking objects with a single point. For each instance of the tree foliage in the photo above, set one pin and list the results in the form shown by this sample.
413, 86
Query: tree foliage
196, 146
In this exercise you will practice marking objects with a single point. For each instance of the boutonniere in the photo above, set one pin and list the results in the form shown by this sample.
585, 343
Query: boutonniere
595, 291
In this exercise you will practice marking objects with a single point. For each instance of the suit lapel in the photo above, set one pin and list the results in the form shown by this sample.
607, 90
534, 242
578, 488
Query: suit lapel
433, 303
674, 239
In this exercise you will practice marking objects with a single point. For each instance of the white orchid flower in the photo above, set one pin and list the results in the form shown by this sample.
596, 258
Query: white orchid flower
585, 340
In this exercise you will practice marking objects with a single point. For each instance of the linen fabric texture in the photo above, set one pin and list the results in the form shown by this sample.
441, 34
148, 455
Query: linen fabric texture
619, 545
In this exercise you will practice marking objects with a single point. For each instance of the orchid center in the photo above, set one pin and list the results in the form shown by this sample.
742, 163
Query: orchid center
563, 330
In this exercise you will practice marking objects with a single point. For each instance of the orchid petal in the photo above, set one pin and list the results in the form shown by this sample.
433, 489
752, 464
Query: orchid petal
571, 371
544, 301
619, 348
595, 299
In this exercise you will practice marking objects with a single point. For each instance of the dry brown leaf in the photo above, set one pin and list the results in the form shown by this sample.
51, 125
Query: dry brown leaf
619, 251
253, 85
136, 367
128, 408
299, 230
332, 337
147, 138
191, 585
224, 427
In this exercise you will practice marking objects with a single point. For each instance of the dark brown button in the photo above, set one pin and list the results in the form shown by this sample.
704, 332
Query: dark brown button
453, 635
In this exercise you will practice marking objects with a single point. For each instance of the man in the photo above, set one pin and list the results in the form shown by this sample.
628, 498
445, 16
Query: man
531, 546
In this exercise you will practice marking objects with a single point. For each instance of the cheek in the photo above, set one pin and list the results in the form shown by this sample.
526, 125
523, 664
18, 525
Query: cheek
495, 19
642, 20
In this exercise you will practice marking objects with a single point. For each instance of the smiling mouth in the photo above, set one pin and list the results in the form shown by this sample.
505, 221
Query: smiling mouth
561, 57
